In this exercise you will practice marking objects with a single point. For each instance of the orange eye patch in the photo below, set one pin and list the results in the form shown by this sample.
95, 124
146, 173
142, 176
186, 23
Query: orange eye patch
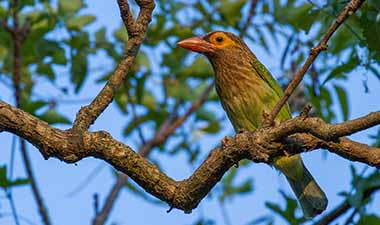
220, 40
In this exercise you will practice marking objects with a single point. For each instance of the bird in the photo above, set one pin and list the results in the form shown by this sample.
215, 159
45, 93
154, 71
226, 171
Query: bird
246, 89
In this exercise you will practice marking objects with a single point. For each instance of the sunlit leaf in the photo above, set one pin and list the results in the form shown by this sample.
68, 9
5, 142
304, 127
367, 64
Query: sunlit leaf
70, 6
77, 23
6, 183
51, 116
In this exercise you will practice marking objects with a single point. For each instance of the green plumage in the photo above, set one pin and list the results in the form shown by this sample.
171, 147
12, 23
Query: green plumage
247, 89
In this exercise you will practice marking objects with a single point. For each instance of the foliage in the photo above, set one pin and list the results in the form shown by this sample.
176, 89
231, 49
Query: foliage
6, 183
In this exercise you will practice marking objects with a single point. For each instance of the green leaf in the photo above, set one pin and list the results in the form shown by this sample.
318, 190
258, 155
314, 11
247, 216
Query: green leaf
178, 89
289, 212
148, 100
230, 10
343, 69
70, 6
31, 106
46, 70
26, 3
142, 60
204, 114
230, 189
343, 101
369, 220
213, 127
342, 40
121, 99
100, 36
51, 116
6, 183
370, 24
121, 34
200, 68
79, 69
302, 17
77, 23
3, 12
48, 48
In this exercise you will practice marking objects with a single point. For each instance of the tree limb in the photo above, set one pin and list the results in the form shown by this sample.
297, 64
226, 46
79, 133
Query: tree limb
348, 10
136, 31
300, 134
163, 132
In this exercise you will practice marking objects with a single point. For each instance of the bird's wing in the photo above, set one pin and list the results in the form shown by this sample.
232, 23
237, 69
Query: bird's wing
264, 74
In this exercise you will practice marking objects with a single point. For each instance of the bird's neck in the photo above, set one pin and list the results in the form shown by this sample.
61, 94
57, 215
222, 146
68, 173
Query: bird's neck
234, 73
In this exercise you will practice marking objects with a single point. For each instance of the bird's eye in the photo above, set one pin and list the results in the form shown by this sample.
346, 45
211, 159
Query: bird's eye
219, 39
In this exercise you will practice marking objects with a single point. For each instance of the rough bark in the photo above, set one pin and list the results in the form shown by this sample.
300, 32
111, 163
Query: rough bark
291, 137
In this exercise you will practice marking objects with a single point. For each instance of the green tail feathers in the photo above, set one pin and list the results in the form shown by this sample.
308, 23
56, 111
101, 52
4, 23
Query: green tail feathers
310, 196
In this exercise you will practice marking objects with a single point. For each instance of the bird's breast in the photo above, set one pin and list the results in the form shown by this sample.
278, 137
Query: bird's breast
244, 98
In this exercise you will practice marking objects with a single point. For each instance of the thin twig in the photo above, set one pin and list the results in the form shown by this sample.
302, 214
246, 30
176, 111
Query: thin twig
350, 219
5, 26
348, 10
102, 215
13, 208
21, 218
8, 193
95, 172
32, 180
167, 129
224, 211
251, 13
19, 36
343, 208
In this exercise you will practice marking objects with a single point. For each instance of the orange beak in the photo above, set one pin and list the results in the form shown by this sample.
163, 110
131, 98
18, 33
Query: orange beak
197, 44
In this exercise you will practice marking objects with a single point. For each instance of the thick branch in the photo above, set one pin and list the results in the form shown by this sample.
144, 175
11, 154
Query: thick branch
348, 10
258, 146
163, 132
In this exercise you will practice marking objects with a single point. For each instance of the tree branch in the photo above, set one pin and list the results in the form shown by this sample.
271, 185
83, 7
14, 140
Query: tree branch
259, 146
343, 208
6, 26
102, 215
168, 127
136, 31
161, 135
251, 13
18, 37
348, 10
36, 191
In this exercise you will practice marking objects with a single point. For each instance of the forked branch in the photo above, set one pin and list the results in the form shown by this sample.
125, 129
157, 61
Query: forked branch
293, 136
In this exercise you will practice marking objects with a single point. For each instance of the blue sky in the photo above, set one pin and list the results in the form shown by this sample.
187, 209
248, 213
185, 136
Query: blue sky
57, 179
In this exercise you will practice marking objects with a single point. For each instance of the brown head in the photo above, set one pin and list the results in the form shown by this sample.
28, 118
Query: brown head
226, 51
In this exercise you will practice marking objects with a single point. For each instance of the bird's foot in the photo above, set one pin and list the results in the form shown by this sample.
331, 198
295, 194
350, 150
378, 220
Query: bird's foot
305, 111
240, 131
